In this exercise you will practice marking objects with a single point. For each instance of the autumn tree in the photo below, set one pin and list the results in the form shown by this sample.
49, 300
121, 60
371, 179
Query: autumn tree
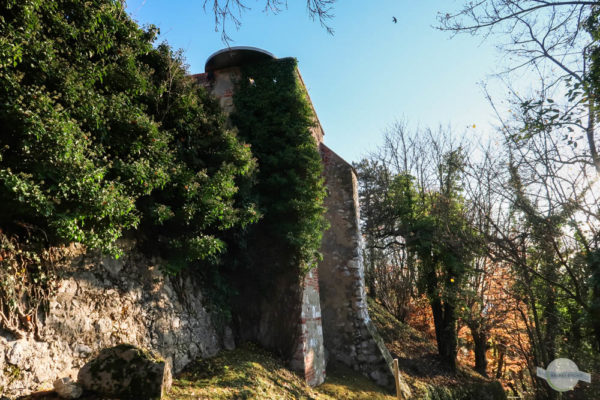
427, 218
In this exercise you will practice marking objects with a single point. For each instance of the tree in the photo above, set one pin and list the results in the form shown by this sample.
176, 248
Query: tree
390, 272
225, 10
425, 215
445, 245
554, 39
95, 120
187, 219
102, 133
543, 227
551, 233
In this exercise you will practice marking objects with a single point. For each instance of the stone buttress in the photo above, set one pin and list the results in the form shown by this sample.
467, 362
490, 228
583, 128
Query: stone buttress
349, 334
308, 355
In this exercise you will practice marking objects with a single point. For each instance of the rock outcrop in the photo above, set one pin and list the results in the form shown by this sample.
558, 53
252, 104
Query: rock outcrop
102, 302
67, 389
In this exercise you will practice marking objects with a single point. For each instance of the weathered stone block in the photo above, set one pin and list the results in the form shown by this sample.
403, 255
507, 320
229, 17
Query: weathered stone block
127, 372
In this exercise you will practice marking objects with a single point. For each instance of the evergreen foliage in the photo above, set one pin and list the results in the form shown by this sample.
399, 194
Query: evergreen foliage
273, 114
102, 131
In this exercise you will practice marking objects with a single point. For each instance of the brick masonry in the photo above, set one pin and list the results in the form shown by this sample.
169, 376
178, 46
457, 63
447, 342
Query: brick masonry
309, 357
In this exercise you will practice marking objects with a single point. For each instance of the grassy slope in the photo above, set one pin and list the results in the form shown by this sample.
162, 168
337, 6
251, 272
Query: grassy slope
420, 367
251, 373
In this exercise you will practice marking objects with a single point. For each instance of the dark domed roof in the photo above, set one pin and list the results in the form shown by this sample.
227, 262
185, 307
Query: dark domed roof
236, 56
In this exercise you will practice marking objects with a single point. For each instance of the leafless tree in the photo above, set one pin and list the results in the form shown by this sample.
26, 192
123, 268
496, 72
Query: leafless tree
232, 10
547, 37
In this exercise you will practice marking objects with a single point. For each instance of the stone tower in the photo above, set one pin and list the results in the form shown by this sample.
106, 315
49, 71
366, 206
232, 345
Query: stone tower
333, 317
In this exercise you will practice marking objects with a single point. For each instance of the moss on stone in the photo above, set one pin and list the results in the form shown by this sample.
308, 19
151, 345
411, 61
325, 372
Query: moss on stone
133, 373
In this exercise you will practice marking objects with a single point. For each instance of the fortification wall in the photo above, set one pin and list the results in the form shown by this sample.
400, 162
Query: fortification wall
292, 310
336, 289
102, 302
348, 333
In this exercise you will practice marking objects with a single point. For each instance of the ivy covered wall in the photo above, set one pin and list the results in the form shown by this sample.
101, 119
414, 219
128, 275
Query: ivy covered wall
274, 116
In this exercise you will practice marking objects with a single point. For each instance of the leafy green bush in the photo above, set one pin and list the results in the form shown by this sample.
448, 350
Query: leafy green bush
190, 215
102, 131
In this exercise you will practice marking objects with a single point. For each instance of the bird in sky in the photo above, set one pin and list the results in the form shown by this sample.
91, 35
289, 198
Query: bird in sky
394, 19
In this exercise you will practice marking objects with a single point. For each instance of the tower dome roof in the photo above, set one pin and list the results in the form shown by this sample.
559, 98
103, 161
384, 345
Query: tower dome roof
236, 56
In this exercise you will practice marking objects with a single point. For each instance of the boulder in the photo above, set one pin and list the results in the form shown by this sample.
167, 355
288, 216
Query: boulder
126, 372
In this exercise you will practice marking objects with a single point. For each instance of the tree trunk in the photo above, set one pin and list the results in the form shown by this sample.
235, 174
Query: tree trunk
594, 265
480, 342
444, 320
371, 282
590, 134
596, 316
501, 350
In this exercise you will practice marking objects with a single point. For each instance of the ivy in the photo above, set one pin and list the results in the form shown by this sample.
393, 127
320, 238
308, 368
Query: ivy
274, 115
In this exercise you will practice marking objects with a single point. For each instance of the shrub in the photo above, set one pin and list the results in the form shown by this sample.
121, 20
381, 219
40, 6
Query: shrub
102, 131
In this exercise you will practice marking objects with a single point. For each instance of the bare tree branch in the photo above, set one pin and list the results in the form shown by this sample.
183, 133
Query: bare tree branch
232, 10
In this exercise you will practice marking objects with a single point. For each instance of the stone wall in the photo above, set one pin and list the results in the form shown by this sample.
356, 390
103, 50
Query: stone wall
309, 357
337, 288
290, 316
102, 302
348, 333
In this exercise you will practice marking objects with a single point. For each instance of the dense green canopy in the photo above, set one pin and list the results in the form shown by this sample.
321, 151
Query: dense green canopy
101, 131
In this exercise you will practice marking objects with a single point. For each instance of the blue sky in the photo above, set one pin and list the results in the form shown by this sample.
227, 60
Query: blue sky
370, 73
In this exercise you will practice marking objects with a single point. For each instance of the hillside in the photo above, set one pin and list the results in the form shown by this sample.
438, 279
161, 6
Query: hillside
420, 367
250, 372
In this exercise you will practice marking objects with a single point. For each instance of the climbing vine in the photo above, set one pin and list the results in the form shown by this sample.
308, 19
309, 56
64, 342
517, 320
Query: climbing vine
274, 115
27, 279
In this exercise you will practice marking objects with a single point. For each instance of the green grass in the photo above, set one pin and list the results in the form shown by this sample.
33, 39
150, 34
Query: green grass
249, 372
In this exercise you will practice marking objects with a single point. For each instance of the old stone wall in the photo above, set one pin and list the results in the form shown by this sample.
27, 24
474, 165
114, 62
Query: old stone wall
290, 316
348, 333
337, 288
309, 357
102, 302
